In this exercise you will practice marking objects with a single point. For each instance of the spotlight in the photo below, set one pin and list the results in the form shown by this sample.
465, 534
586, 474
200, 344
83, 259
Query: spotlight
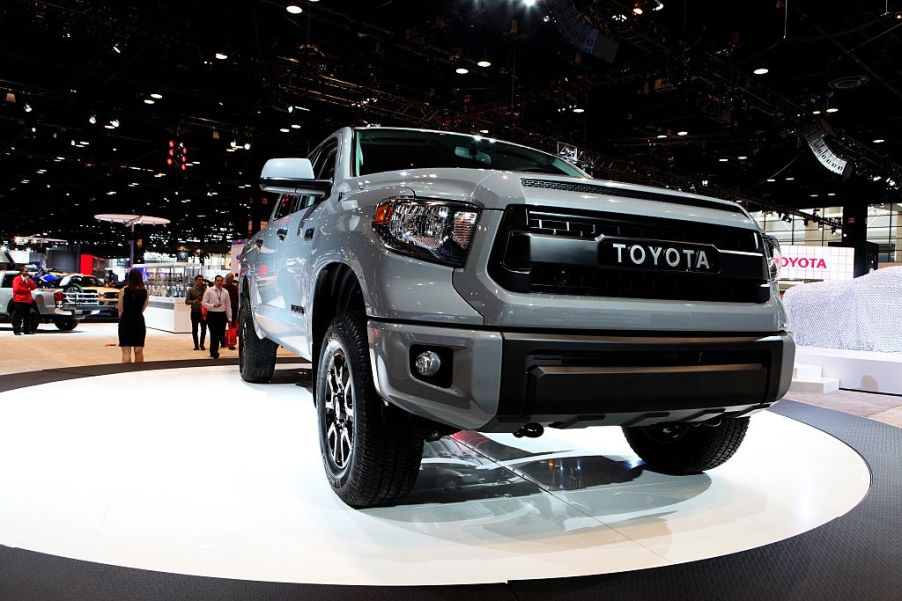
116, 49
461, 71
661, 136
284, 130
529, 3
27, 108
484, 64
579, 110
682, 133
247, 146
760, 71
790, 179
114, 122
658, 5
771, 180
156, 96
220, 56
742, 157
879, 141
832, 109
294, 9
149, 101
815, 112
92, 119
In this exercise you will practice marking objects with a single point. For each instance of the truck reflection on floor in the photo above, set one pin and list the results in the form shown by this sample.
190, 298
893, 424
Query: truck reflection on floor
470, 466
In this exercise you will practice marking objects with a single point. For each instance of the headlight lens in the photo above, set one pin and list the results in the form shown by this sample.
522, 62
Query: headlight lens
430, 230
774, 256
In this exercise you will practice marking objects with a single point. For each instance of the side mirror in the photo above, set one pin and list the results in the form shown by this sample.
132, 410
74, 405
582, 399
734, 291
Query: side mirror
292, 176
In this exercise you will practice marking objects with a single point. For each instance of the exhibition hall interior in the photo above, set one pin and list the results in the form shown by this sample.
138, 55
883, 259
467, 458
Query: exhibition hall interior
473, 299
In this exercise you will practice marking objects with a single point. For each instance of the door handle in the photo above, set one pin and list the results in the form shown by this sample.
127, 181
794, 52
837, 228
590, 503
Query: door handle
281, 233
259, 242
308, 234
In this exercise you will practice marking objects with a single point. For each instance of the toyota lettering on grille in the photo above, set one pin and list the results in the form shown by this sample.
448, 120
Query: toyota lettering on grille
658, 255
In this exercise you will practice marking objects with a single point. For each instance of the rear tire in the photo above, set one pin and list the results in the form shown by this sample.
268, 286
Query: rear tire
371, 452
256, 356
686, 448
65, 325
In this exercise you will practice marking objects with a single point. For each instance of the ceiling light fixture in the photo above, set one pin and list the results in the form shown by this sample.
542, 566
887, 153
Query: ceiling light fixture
483, 131
815, 112
682, 133
156, 96
742, 157
27, 108
484, 64
114, 122
220, 56
295, 126
116, 49
879, 141
529, 3
579, 110
92, 119
760, 71
461, 71
771, 180
294, 9
637, 9
723, 160
658, 5
661, 136
284, 130
149, 101
790, 179
832, 109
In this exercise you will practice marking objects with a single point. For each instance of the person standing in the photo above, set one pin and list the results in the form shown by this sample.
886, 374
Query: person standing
22, 301
193, 297
232, 287
133, 300
219, 313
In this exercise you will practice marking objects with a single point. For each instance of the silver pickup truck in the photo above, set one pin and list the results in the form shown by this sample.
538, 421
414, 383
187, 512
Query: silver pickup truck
441, 282
65, 308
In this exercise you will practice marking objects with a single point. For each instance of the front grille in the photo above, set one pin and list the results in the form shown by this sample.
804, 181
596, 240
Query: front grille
573, 224
522, 262
110, 295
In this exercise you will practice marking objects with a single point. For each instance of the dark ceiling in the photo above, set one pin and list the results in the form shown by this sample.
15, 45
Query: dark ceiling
70, 68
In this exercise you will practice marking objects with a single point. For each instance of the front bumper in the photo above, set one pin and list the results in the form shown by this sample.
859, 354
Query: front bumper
501, 380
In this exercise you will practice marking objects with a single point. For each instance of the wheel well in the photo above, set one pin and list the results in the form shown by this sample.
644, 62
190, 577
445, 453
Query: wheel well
337, 291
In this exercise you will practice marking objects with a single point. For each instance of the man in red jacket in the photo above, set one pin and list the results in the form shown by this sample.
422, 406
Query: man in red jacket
22, 287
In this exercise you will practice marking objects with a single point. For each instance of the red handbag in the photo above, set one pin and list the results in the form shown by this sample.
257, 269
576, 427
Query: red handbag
231, 338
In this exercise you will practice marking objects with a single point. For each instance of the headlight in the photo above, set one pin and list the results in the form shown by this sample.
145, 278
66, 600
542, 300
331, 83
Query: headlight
427, 229
774, 256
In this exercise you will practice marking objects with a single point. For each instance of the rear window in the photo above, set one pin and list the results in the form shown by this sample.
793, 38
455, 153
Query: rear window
8, 280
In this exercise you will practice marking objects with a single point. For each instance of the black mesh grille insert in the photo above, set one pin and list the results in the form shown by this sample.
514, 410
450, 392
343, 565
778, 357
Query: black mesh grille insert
519, 265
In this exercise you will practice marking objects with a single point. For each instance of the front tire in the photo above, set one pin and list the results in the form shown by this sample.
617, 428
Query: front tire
681, 449
65, 325
371, 452
256, 356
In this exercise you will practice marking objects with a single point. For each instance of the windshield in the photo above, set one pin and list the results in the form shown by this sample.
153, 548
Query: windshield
380, 150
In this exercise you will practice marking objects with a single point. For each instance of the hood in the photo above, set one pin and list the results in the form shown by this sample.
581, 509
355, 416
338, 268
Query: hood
496, 190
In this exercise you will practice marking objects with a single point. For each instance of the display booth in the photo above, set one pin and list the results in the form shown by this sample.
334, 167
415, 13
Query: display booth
167, 284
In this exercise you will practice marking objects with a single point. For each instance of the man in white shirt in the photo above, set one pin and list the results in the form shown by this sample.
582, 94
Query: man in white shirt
219, 313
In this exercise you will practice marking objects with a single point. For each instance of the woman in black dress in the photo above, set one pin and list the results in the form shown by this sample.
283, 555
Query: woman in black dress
132, 302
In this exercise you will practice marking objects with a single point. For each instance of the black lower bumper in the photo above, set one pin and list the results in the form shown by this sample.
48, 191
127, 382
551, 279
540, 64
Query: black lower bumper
575, 381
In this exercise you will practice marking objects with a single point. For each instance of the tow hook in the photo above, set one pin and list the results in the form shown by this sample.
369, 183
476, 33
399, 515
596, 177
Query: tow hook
531, 430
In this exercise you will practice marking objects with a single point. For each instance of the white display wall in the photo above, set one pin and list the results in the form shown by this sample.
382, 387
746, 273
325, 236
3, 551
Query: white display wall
827, 263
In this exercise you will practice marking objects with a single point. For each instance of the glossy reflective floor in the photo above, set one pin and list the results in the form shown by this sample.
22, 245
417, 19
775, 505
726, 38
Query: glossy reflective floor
192, 471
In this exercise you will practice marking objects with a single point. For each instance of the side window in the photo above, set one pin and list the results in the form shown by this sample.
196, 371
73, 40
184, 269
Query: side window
324, 164
286, 206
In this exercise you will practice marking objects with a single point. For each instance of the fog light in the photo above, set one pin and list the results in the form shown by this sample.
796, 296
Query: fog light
428, 363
